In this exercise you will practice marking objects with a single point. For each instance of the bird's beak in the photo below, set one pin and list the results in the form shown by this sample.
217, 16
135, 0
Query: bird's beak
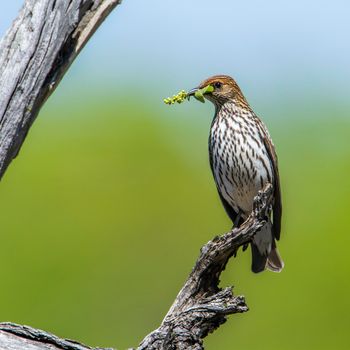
192, 92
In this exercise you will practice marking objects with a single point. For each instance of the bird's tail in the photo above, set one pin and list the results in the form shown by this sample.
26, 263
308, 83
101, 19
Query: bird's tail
260, 262
264, 252
274, 261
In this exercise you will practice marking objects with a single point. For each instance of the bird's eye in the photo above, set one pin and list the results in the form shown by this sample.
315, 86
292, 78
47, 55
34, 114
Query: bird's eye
217, 85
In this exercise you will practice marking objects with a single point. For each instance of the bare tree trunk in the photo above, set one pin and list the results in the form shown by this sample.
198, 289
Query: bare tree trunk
34, 55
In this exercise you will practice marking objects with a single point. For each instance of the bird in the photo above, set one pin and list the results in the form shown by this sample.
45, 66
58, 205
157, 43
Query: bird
243, 160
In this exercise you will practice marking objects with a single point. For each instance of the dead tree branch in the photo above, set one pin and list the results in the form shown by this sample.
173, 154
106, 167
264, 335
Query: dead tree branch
34, 55
200, 307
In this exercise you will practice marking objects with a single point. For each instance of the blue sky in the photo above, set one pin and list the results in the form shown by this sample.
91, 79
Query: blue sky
270, 47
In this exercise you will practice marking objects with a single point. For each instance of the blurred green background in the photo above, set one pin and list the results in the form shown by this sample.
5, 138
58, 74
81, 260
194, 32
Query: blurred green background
111, 197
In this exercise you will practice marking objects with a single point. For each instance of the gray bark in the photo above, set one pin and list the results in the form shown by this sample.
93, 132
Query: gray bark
34, 55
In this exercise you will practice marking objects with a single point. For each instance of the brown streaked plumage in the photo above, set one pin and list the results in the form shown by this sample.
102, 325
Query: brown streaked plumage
243, 160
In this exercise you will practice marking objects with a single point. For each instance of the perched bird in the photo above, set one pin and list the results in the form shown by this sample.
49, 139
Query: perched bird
243, 160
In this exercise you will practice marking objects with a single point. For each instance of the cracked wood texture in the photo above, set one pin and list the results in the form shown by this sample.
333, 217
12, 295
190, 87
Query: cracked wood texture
35, 53
200, 307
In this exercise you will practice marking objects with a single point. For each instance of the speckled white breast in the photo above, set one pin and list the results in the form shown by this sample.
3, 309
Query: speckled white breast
240, 162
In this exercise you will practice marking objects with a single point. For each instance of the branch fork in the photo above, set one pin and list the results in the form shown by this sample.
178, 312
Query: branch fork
202, 306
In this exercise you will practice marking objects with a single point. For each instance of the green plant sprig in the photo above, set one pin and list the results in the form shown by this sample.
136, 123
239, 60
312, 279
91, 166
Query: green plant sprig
183, 95
179, 98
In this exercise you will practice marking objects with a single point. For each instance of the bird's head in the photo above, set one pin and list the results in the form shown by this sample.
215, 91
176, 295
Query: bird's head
224, 89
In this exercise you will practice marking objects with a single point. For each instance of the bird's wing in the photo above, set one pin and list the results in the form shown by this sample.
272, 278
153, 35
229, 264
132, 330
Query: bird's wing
277, 206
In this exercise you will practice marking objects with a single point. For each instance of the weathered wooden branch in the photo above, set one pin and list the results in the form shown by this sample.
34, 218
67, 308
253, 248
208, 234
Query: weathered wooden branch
34, 55
200, 307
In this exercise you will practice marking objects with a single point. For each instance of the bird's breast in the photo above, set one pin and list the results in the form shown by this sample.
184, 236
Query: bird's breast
239, 159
